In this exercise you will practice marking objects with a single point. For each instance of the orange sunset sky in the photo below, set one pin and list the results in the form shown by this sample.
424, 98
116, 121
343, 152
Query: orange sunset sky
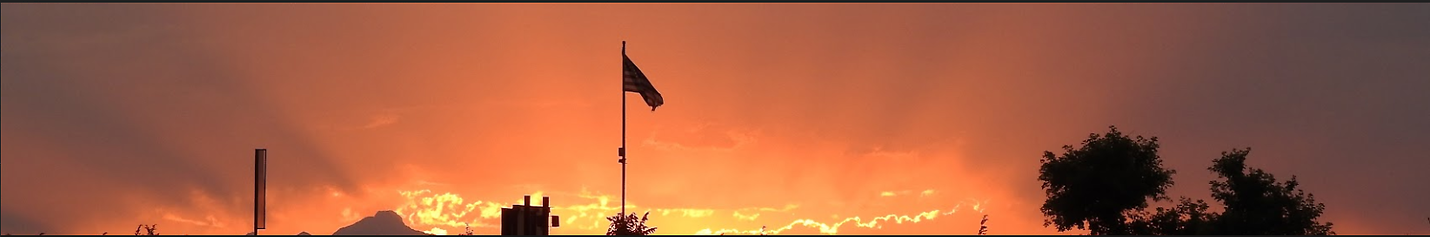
914, 118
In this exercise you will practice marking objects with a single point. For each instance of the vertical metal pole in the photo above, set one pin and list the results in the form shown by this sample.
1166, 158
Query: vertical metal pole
257, 184
260, 187
623, 130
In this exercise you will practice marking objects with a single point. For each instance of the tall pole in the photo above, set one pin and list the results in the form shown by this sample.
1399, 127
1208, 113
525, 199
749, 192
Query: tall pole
623, 130
260, 202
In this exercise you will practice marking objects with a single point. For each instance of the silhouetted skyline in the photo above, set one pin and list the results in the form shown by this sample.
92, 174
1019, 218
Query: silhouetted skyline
122, 114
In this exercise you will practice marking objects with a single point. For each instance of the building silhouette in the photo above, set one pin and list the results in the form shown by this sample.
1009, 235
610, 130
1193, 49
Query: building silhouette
526, 219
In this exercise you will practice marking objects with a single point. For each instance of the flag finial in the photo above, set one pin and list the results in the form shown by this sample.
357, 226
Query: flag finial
623, 47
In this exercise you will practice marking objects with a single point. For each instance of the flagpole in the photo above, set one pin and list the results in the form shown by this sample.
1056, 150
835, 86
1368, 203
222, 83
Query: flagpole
260, 203
623, 132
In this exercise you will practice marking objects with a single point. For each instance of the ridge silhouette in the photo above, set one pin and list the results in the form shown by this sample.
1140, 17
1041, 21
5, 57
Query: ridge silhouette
385, 222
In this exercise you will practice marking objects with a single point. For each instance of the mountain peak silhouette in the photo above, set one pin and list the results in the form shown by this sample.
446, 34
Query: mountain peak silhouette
383, 223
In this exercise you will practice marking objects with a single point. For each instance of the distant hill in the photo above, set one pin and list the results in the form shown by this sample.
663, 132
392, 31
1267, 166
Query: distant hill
382, 223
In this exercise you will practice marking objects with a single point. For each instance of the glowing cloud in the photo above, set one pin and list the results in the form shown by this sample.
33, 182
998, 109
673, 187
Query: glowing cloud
425, 208
750, 217
686, 212
445, 209
925, 193
428, 209
381, 120
827, 228
438, 212
787, 208
436, 231
209, 220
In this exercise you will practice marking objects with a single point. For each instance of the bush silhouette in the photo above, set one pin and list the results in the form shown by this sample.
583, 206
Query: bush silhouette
629, 225
149, 229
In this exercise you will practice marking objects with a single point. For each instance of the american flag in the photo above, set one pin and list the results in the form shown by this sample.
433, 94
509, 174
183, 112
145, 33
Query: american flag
635, 81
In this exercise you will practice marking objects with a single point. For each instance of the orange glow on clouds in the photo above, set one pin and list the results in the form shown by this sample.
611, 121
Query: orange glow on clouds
799, 118
450, 213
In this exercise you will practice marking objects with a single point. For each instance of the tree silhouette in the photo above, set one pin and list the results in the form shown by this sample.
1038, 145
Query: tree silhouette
1095, 186
1258, 205
629, 225
1255, 204
1186, 218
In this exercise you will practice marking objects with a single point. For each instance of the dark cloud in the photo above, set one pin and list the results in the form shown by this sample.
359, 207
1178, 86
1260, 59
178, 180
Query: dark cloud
133, 104
22, 224
1332, 94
